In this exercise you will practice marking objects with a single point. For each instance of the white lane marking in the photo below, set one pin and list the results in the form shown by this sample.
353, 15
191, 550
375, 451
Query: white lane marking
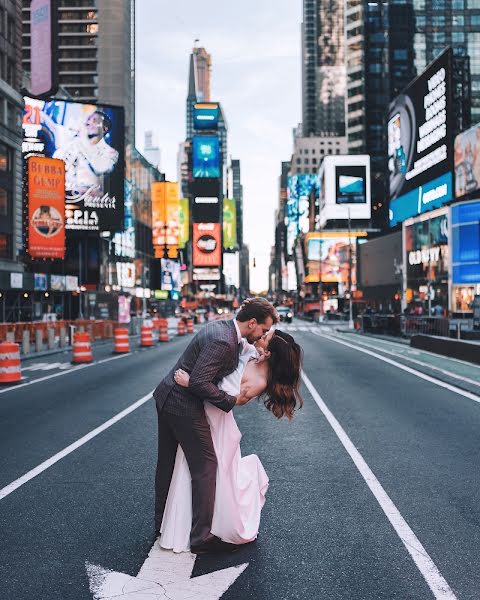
389, 343
436, 582
11, 487
447, 386
63, 372
164, 575
47, 366
419, 362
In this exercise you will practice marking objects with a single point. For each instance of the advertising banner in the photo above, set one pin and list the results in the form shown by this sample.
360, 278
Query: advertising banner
302, 190
206, 156
42, 49
170, 275
89, 138
206, 274
205, 115
206, 200
207, 245
466, 243
124, 309
71, 283
351, 184
231, 268
126, 274
229, 223
40, 282
57, 283
467, 162
46, 207
420, 132
183, 222
165, 218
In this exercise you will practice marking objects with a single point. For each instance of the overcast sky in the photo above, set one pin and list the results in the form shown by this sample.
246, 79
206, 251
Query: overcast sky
255, 48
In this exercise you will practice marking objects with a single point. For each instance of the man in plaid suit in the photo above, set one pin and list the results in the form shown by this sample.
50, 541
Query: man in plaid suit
211, 355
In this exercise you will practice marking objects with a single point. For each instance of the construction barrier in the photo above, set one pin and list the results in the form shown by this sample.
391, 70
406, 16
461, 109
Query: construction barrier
164, 335
181, 327
146, 336
10, 370
189, 325
121, 341
82, 348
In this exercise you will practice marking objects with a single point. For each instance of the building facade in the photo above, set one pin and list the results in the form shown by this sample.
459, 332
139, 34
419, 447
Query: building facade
323, 68
11, 104
308, 152
203, 71
96, 52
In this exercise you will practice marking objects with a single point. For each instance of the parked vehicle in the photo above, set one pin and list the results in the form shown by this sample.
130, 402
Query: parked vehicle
285, 313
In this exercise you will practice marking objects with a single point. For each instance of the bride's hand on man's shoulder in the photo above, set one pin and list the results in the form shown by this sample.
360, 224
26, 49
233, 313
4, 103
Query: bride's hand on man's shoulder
181, 377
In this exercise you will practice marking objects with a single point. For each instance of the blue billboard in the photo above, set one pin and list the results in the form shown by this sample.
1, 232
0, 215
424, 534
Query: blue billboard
466, 243
206, 156
205, 115
299, 193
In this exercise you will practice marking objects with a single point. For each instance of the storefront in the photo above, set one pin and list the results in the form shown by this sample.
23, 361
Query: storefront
465, 272
426, 263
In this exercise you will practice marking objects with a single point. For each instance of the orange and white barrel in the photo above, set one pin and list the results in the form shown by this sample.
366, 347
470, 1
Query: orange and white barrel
181, 327
10, 368
163, 326
82, 348
189, 325
146, 336
121, 343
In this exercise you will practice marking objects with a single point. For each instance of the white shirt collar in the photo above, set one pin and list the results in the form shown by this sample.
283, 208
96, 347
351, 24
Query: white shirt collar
239, 335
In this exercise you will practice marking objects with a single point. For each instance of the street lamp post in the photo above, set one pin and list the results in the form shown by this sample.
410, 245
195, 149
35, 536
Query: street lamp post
350, 266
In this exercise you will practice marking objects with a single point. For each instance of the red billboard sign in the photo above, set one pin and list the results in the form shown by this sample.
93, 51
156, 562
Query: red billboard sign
46, 207
207, 245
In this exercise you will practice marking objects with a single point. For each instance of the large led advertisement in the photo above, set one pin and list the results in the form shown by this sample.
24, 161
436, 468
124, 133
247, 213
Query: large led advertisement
206, 156
183, 222
231, 268
207, 245
229, 223
301, 190
46, 207
205, 115
170, 275
344, 189
420, 131
89, 138
467, 162
165, 218
206, 204
466, 243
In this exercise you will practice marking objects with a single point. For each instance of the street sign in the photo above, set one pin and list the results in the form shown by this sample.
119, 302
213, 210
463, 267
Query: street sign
164, 575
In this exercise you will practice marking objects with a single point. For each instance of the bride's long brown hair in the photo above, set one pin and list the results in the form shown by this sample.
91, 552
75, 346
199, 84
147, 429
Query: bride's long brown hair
282, 395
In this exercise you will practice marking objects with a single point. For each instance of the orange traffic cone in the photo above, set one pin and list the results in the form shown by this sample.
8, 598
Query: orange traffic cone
181, 327
121, 343
146, 336
164, 337
82, 348
10, 370
189, 325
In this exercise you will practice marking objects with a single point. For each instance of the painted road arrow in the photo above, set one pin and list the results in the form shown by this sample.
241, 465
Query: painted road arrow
163, 576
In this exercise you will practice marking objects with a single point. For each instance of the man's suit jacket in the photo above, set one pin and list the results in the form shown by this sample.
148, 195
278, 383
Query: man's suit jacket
211, 355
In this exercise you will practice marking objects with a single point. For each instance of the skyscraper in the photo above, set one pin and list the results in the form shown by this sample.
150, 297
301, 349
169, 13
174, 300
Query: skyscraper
203, 69
453, 23
238, 195
95, 52
323, 71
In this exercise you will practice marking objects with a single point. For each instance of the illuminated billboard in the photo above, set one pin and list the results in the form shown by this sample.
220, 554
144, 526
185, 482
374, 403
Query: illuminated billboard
229, 223
420, 131
205, 115
170, 275
301, 191
466, 161
165, 218
344, 188
207, 247
46, 207
329, 256
231, 268
89, 138
183, 222
206, 156
43, 32
206, 205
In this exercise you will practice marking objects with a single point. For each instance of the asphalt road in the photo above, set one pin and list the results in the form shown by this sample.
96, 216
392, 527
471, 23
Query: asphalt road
413, 418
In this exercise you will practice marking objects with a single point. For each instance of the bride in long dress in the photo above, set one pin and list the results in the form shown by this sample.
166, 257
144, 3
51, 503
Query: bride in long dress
270, 369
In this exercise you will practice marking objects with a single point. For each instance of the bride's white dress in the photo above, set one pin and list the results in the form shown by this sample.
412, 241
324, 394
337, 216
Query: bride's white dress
241, 482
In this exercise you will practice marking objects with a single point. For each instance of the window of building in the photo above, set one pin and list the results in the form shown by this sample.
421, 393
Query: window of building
458, 20
306, 161
439, 37
314, 161
473, 3
475, 20
458, 4
458, 37
5, 245
4, 202
299, 161
5, 158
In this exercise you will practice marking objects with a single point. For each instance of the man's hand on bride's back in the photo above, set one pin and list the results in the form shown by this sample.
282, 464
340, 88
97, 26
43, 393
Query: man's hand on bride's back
244, 396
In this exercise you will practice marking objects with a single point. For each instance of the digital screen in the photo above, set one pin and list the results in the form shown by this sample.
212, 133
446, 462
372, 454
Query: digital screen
170, 278
206, 205
206, 156
467, 167
301, 191
420, 130
351, 185
205, 115
466, 243
89, 138
207, 245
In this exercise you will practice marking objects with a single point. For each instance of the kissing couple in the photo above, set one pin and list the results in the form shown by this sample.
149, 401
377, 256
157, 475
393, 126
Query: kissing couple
208, 499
